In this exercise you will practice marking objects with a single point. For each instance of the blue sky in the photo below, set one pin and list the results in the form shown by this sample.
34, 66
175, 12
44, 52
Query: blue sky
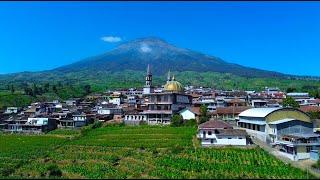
278, 36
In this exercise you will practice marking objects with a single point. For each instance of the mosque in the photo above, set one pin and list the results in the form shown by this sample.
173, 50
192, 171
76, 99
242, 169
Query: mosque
162, 106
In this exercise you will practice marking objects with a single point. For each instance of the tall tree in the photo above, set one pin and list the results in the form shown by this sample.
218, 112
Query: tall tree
176, 120
87, 89
54, 89
291, 89
290, 102
203, 114
46, 87
12, 89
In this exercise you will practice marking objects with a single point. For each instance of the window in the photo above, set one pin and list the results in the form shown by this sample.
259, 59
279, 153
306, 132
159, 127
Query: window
308, 149
229, 138
209, 133
240, 138
211, 140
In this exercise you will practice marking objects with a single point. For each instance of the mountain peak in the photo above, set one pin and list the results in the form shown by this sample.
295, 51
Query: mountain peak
152, 39
137, 54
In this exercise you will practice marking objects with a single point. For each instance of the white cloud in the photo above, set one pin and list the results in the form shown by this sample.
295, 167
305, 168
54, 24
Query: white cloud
145, 48
111, 39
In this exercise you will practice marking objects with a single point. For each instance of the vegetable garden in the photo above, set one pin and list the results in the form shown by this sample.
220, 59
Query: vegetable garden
132, 152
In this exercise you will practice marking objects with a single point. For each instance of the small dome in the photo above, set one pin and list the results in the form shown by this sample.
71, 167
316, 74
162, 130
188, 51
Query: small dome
173, 86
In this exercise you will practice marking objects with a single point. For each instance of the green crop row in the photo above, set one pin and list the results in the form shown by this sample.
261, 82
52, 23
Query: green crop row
132, 152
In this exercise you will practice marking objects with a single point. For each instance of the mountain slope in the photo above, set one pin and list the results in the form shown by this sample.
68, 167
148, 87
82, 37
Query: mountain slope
162, 56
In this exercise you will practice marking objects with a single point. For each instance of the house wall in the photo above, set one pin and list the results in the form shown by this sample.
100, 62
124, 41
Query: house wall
314, 155
257, 134
294, 127
221, 140
187, 115
287, 155
79, 118
104, 111
79, 123
135, 117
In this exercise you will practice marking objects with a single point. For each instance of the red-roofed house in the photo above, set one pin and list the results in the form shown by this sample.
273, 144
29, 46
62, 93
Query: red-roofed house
215, 132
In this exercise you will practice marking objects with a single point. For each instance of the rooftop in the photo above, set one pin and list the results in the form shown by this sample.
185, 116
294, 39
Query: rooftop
231, 132
215, 124
258, 112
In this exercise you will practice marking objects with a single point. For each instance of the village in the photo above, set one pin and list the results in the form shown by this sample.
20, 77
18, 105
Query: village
237, 118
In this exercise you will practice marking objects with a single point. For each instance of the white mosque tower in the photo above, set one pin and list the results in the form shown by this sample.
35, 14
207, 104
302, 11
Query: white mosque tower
147, 89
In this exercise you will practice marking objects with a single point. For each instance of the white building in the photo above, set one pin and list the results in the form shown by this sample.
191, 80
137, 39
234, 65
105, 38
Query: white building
288, 130
11, 110
134, 118
215, 132
115, 100
190, 113
272, 90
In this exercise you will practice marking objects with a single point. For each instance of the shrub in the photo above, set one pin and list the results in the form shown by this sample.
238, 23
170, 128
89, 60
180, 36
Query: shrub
53, 170
96, 124
176, 120
177, 149
190, 123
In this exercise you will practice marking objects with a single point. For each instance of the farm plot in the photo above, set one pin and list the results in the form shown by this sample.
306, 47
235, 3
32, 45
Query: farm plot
18, 150
146, 152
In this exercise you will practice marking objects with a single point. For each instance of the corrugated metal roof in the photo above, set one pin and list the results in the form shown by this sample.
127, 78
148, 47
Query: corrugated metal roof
258, 112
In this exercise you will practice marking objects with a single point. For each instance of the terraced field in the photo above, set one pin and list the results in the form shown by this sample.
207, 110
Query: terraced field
132, 152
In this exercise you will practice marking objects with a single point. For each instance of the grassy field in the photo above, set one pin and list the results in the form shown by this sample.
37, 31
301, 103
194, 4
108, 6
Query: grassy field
132, 152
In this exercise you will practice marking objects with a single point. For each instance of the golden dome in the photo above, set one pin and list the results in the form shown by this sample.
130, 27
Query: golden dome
173, 86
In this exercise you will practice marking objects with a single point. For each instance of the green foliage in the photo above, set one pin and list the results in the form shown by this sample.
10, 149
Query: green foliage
54, 171
17, 99
314, 115
290, 102
76, 84
190, 123
96, 124
291, 89
176, 120
87, 89
203, 114
317, 164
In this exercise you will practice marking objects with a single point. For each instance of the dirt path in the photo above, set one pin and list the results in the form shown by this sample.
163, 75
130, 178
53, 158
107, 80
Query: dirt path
301, 164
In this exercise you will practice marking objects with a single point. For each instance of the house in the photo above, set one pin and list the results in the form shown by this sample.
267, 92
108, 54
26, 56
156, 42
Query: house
34, 110
215, 133
11, 110
32, 125
81, 119
287, 129
190, 113
259, 103
235, 102
272, 90
109, 109
134, 117
72, 102
301, 98
228, 113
